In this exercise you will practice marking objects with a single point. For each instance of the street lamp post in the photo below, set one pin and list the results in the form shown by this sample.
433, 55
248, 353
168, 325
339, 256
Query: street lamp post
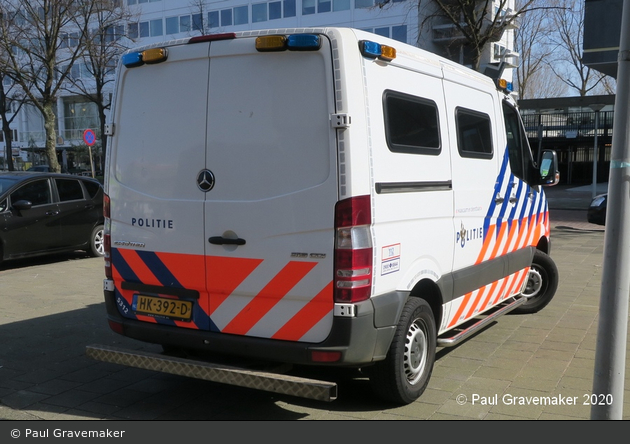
597, 108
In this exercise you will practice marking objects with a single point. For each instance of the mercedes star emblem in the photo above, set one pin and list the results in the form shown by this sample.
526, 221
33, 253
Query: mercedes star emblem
205, 180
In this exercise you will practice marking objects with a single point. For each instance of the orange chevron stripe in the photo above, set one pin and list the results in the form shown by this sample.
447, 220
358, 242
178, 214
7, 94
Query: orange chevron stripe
491, 293
512, 234
499, 240
486, 244
188, 269
460, 309
224, 275
269, 296
521, 280
305, 319
480, 293
521, 235
501, 292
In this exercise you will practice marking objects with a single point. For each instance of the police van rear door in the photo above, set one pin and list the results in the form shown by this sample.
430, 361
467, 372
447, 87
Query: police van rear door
270, 187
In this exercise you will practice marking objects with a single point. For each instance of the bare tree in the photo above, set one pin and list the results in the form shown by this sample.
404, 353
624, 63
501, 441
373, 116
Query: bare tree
568, 66
532, 43
39, 42
476, 21
8, 97
199, 11
101, 52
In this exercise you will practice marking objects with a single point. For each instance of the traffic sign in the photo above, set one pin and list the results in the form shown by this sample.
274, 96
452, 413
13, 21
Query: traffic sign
89, 137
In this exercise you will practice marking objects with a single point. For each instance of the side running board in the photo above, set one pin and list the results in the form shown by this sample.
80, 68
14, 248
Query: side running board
474, 325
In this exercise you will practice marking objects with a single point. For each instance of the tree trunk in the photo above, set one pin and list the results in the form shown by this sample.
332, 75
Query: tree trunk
51, 137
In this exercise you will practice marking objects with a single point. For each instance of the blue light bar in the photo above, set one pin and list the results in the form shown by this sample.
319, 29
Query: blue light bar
132, 59
304, 42
370, 49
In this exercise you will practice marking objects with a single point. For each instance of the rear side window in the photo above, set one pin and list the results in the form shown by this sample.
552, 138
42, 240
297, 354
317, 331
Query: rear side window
474, 134
411, 124
92, 188
37, 193
69, 189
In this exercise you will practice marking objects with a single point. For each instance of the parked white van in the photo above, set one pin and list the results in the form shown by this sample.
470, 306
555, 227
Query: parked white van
319, 196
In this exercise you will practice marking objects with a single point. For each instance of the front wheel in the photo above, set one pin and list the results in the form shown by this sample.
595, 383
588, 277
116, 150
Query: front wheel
542, 283
97, 242
404, 374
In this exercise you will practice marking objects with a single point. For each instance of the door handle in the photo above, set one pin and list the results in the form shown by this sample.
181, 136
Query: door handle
220, 240
52, 213
498, 199
513, 199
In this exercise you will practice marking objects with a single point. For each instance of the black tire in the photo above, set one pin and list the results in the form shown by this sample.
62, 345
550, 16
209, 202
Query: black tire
97, 244
542, 283
404, 374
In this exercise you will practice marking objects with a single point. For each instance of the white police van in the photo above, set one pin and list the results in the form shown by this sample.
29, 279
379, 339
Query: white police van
319, 196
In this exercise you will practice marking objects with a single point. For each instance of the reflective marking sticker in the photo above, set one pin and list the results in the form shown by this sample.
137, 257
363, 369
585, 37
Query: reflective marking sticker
390, 259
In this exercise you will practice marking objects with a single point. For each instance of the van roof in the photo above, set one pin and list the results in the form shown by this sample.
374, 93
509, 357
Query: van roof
407, 54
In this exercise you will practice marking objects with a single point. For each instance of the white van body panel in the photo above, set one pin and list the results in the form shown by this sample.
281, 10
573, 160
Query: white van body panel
254, 253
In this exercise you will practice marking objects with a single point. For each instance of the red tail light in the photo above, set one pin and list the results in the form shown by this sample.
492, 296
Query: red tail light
107, 239
353, 250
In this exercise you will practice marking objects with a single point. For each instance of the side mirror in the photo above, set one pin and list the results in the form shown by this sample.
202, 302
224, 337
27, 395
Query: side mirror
549, 174
21, 205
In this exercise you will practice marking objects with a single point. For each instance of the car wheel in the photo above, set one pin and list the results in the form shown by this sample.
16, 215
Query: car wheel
97, 242
404, 374
542, 283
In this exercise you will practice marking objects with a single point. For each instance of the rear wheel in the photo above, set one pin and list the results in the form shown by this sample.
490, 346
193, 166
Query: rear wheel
542, 283
97, 245
404, 374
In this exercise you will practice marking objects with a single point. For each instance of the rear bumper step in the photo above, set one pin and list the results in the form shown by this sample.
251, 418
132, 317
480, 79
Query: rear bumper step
473, 326
259, 380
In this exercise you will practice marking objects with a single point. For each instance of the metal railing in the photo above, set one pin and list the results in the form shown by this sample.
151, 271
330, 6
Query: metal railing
568, 125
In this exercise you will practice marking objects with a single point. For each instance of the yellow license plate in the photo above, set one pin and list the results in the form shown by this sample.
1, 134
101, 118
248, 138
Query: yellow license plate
170, 308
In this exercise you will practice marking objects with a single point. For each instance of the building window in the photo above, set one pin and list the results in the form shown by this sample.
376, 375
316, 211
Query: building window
308, 7
323, 6
172, 25
259, 12
358, 4
184, 23
132, 30
384, 32
226, 17
241, 15
400, 33
341, 5
78, 116
144, 29
113, 33
290, 8
275, 10
213, 19
197, 22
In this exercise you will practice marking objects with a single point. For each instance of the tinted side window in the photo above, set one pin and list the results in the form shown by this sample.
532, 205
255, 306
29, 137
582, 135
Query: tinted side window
411, 124
92, 188
69, 189
38, 193
474, 134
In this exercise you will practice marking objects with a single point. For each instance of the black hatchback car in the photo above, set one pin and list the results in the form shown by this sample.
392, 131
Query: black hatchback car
597, 210
43, 213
